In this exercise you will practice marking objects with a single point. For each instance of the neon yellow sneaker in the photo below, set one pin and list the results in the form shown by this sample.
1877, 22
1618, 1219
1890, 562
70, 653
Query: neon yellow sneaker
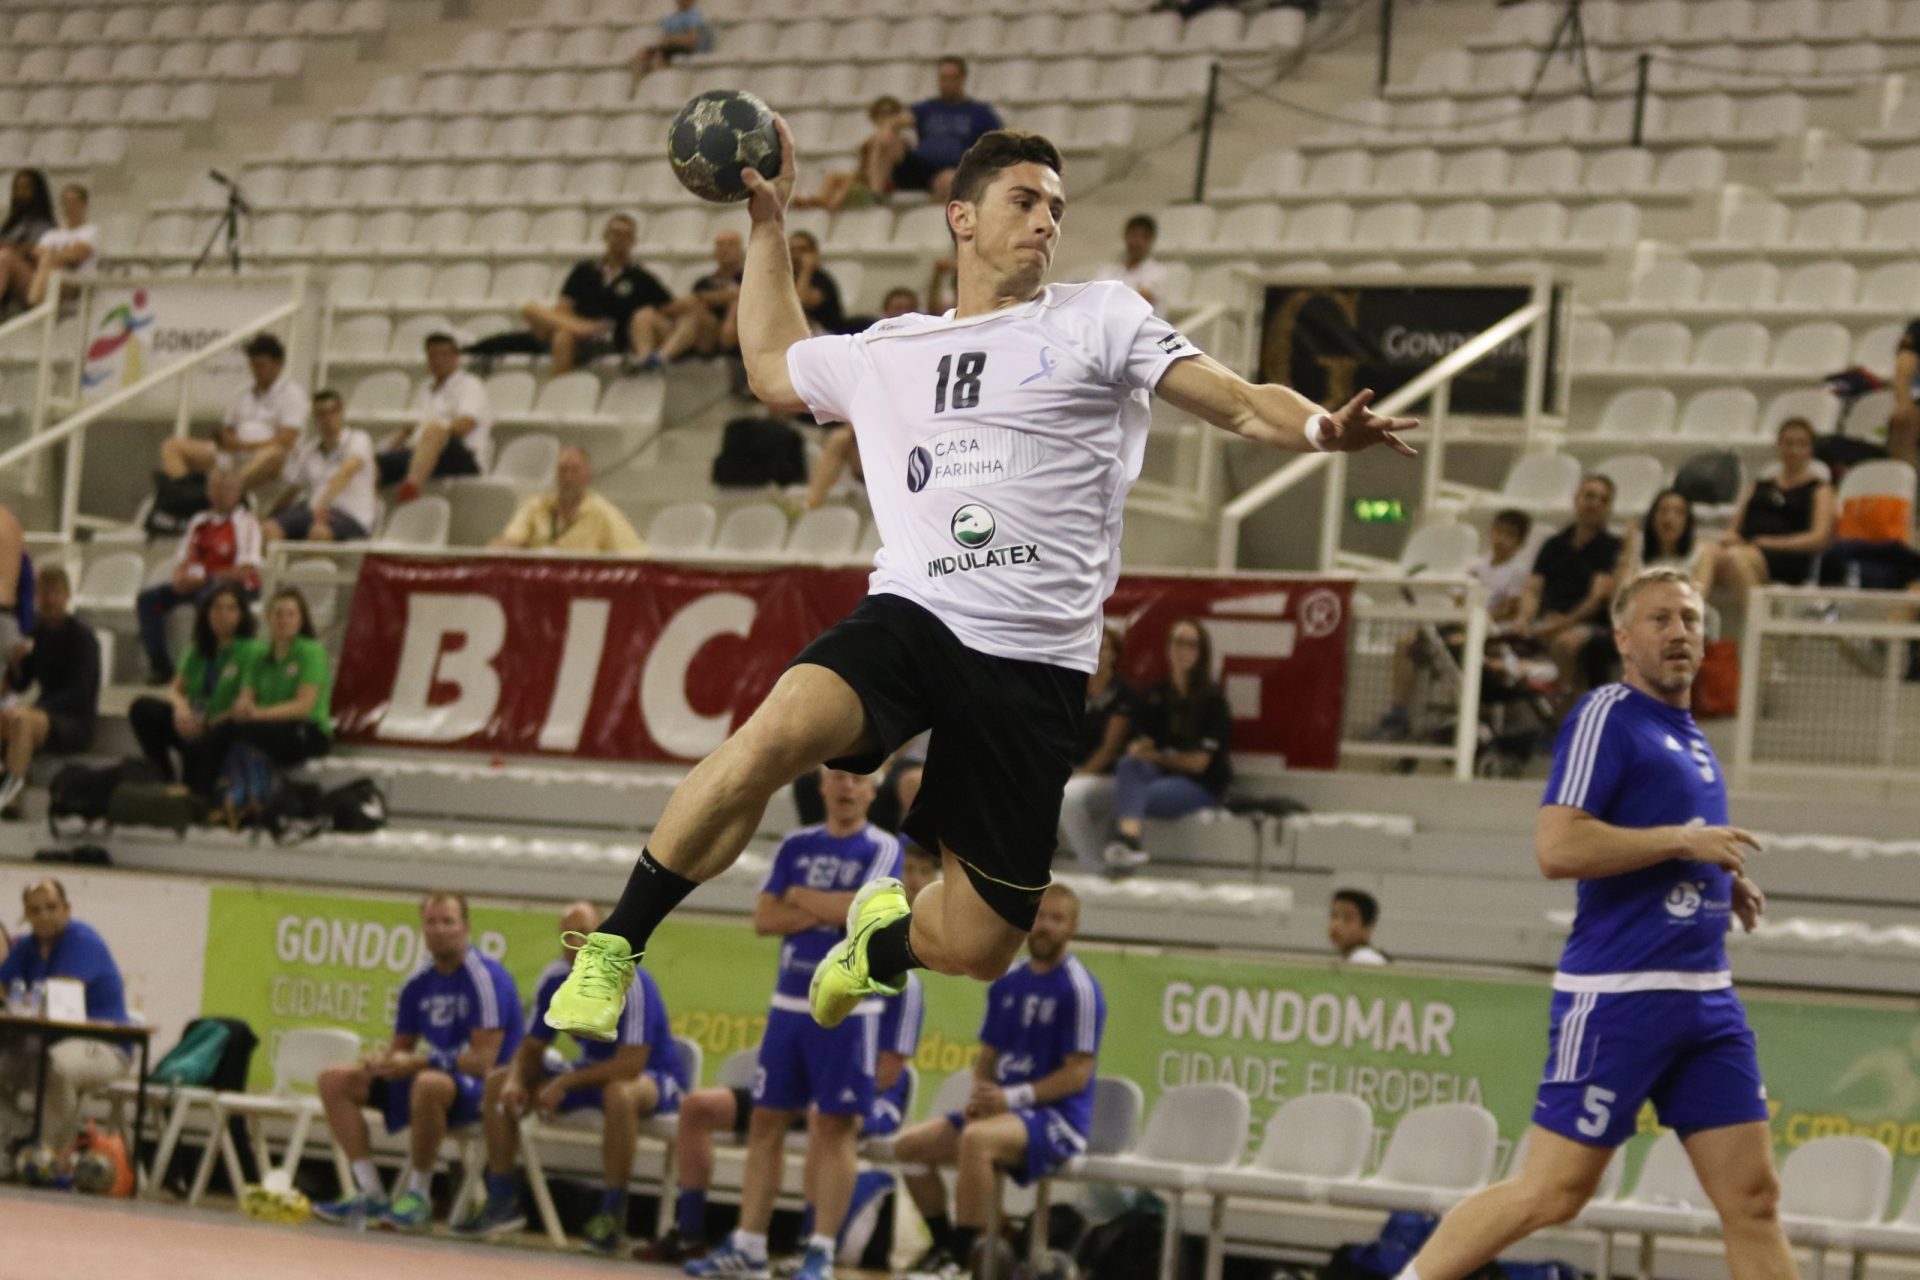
841, 980
588, 1003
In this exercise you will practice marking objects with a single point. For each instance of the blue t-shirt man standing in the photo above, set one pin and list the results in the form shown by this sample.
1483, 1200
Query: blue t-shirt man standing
1643, 1003
58, 946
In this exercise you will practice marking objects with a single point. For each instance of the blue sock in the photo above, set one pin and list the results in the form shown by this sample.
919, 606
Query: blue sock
502, 1189
614, 1202
806, 1222
690, 1214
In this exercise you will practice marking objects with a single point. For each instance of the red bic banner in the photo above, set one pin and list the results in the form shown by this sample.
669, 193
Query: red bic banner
659, 662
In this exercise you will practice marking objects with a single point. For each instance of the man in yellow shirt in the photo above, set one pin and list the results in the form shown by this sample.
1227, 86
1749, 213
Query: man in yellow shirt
571, 518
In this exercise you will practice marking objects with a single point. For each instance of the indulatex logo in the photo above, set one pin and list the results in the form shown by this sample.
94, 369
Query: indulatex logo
972, 526
117, 344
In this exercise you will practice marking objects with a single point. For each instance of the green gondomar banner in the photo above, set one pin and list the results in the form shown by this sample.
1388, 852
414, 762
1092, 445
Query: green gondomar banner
1396, 1038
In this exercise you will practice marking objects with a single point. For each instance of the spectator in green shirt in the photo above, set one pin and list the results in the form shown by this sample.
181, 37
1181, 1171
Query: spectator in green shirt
284, 707
203, 691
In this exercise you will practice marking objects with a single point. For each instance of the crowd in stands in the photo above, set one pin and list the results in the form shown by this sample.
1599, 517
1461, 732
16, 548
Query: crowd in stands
34, 243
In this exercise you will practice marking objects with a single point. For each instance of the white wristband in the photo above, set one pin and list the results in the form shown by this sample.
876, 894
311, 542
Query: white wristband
1315, 432
1020, 1095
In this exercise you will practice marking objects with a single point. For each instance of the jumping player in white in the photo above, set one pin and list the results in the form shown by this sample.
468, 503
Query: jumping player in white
998, 442
1643, 1005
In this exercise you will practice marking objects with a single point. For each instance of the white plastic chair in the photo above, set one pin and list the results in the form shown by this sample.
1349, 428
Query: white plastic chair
1442, 549
1817, 405
1437, 1155
1819, 286
1667, 1199
1742, 284
1636, 478
1657, 344
1830, 1186
302, 1054
384, 393
1195, 1130
755, 531
510, 394
824, 534
1668, 282
685, 528
422, 523
1739, 346
569, 397
1818, 348
528, 461
110, 583
1720, 413
1542, 481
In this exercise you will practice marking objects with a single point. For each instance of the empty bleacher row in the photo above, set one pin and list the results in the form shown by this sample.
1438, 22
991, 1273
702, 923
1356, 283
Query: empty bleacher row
1739, 23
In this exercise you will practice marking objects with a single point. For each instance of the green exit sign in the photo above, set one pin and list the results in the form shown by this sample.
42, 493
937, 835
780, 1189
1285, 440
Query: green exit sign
1379, 511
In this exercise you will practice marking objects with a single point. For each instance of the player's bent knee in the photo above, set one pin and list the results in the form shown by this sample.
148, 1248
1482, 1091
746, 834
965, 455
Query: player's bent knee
433, 1086
1550, 1204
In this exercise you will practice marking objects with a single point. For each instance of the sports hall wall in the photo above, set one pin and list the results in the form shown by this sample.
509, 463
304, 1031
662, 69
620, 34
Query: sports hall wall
283, 957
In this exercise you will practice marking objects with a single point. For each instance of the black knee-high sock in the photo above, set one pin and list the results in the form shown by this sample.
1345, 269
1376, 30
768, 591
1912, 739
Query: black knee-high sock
651, 894
940, 1229
890, 952
964, 1238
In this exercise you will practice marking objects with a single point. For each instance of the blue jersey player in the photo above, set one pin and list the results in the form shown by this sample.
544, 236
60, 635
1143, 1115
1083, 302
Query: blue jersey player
823, 1073
458, 1018
1643, 1004
615, 1085
1032, 1097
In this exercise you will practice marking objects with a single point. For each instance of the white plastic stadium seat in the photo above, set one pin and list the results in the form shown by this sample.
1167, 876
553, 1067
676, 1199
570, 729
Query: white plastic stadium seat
423, 523
756, 531
1590, 345
1636, 478
1658, 344
382, 394
685, 528
1830, 1186
1742, 284
1668, 282
1738, 346
1667, 1199
1819, 286
1818, 348
510, 393
569, 397
824, 534
1817, 405
1442, 549
528, 461
1721, 413
110, 583
1437, 1155
1545, 481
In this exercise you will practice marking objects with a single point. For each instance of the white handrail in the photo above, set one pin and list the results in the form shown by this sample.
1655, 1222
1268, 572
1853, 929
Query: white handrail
1469, 353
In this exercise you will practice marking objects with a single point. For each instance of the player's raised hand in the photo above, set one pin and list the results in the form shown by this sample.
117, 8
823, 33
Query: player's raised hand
1353, 427
768, 201
1727, 847
1749, 903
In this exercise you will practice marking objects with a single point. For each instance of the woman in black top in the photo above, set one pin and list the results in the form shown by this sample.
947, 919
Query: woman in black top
1177, 762
1784, 521
29, 216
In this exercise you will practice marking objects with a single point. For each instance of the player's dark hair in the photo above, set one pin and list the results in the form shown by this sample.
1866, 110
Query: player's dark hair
299, 598
953, 60
1515, 519
901, 290
1650, 541
37, 207
813, 241
79, 189
265, 344
439, 338
446, 895
204, 641
1599, 477
1361, 901
59, 890
327, 393
1144, 222
995, 150
1794, 424
627, 218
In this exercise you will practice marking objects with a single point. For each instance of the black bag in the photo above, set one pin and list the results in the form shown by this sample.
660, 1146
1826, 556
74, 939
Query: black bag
355, 807
84, 855
1124, 1248
175, 503
1712, 479
1843, 453
154, 804
517, 343
86, 791
229, 1073
759, 451
293, 812
301, 810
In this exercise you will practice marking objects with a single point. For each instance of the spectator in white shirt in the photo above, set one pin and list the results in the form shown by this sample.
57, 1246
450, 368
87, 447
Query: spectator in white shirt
1350, 922
452, 436
1138, 269
261, 425
73, 247
331, 472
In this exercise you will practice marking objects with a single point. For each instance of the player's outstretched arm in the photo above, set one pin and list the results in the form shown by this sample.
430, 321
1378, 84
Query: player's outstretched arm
1572, 844
771, 318
1268, 413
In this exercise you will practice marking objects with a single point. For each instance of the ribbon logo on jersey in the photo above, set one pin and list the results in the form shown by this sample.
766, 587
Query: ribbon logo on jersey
644, 661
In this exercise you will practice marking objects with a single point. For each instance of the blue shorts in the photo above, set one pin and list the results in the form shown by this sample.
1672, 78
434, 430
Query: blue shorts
394, 1100
1051, 1141
883, 1117
1690, 1053
297, 522
590, 1099
804, 1064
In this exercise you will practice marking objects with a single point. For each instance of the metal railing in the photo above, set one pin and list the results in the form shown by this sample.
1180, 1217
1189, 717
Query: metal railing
39, 326
1192, 491
1436, 384
71, 430
1825, 687
1429, 635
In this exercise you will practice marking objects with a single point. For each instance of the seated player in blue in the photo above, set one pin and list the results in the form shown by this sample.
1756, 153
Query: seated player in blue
1643, 1004
459, 1017
1032, 1095
614, 1086
825, 1073
722, 1109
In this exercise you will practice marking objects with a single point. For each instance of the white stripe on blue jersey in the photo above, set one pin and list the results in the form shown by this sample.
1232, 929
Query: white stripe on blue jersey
1086, 1034
906, 1038
483, 989
635, 1029
1586, 746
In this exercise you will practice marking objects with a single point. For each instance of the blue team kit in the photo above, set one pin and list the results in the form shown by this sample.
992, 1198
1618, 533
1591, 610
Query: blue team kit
1643, 1005
444, 1010
643, 1020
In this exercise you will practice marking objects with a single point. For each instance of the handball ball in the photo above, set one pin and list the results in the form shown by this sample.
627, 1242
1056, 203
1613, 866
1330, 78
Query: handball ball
40, 1167
94, 1173
715, 137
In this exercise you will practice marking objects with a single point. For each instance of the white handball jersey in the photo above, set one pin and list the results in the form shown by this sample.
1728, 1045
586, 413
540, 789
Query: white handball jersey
998, 452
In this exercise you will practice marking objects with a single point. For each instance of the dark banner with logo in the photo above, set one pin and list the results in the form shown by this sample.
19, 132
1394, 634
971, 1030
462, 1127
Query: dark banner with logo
1329, 341
636, 660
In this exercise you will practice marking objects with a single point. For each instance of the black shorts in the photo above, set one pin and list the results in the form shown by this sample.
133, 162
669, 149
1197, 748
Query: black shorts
914, 173
67, 735
1005, 734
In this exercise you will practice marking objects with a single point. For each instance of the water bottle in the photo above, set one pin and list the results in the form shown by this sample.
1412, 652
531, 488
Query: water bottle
17, 997
1853, 575
37, 999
